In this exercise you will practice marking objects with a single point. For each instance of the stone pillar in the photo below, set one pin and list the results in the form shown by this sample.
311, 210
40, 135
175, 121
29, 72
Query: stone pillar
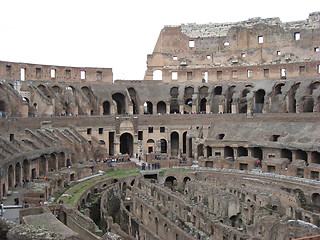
154, 108
117, 144
181, 109
233, 108
130, 109
168, 108
135, 143
207, 108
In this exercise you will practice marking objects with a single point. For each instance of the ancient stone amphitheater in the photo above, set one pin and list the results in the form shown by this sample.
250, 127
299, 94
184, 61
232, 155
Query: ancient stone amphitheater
220, 140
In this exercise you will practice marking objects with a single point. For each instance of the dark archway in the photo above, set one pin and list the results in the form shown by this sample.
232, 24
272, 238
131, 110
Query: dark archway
257, 153
170, 182
161, 107
106, 108
120, 100
203, 104
300, 154
315, 157
3, 108
18, 173
174, 137
259, 101
228, 152
126, 143
148, 108
286, 153
184, 142
242, 152
163, 147
10, 177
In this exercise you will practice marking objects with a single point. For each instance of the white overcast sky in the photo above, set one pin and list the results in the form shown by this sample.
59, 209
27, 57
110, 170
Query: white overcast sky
117, 34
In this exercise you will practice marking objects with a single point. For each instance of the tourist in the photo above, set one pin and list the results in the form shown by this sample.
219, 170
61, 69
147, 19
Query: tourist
1, 208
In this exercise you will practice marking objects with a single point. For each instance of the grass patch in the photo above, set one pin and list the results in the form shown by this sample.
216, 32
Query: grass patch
78, 189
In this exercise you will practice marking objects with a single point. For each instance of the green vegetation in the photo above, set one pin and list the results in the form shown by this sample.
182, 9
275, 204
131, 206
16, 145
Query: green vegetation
172, 170
73, 193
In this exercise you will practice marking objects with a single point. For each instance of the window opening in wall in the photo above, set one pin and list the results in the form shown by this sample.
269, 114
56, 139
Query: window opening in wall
140, 135
189, 75
297, 36
274, 138
266, 72
219, 74
38, 72
8, 70
316, 49
302, 69
249, 73
150, 130
11, 137
99, 75
82, 75
89, 130
260, 39
53, 73
318, 68
162, 129
226, 43
234, 74
157, 74
100, 130
208, 56
175, 58
68, 73
204, 77
174, 75
217, 153
22, 74
278, 53
220, 136
283, 73
191, 43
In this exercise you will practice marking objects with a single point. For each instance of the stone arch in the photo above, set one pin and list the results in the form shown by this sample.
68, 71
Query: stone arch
3, 106
134, 100
292, 103
306, 104
61, 160
106, 108
184, 142
157, 74
203, 105
18, 173
217, 91
56, 89
277, 89
174, 138
300, 154
42, 165
228, 152
315, 157
26, 169
257, 153
174, 106
126, 143
242, 151
86, 91
174, 92
170, 181
52, 162
286, 153
315, 198
150, 146
148, 108
229, 98
200, 150
120, 100
259, 100
10, 177
163, 145
186, 179
161, 107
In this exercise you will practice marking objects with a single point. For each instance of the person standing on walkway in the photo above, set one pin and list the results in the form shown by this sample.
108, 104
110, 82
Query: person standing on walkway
1, 208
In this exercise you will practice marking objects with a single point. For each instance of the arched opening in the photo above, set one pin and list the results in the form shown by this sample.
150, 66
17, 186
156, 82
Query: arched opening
126, 143
163, 144
170, 182
229, 96
188, 99
106, 108
3, 108
26, 169
86, 91
120, 100
174, 92
315, 198
148, 108
157, 74
228, 152
150, 146
184, 143
186, 179
257, 153
188, 105
307, 104
133, 97
56, 89
190, 148
200, 150
161, 107
10, 177
209, 151
286, 153
174, 138
52, 162
242, 152
300, 154
42, 165
203, 104
69, 162
217, 90
259, 101
291, 97
174, 106
61, 160
315, 157
18, 173
278, 89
